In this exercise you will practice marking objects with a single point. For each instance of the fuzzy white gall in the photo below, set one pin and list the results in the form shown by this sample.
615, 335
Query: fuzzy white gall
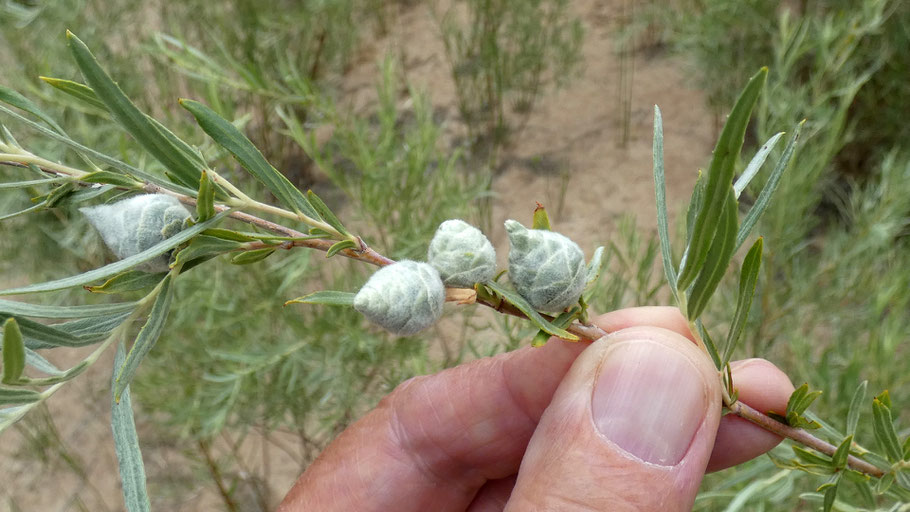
547, 268
404, 297
462, 254
133, 225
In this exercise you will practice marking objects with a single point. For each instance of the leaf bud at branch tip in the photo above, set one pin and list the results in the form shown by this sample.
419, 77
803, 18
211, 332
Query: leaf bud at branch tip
546, 268
462, 254
404, 297
133, 225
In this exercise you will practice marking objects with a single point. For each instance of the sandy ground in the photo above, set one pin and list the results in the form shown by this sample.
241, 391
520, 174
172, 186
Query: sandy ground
571, 140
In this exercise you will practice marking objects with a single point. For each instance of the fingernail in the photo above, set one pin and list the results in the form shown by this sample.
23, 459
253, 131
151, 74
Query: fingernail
649, 400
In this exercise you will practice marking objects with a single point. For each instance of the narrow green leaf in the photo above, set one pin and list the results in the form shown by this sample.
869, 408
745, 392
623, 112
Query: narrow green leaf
12, 307
205, 246
856, 404
594, 269
540, 220
119, 266
111, 178
716, 261
748, 277
326, 297
90, 329
13, 352
146, 338
801, 399
660, 190
540, 339
519, 302
764, 197
30, 183
21, 212
755, 164
18, 396
340, 246
38, 362
89, 152
720, 178
45, 334
709, 343
327, 214
126, 444
230, 138
77, 90
128, 281
811, 457
205, 198
227, 234
147, 134
830, 495
839, 459
885, 399
254, 256
884, 483
885, 434
14, 98
902, 477
695, 204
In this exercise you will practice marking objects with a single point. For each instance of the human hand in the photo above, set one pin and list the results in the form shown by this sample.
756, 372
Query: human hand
629, 423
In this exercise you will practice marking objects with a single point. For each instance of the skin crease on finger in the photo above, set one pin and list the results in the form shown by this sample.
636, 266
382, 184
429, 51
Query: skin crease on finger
374, 466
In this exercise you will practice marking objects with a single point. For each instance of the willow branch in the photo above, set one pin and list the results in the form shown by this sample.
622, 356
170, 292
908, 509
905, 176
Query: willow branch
800, 436
585, 332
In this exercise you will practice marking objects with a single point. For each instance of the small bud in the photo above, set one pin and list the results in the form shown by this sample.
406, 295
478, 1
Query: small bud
461, 254
547, 268
133, 225
404, 297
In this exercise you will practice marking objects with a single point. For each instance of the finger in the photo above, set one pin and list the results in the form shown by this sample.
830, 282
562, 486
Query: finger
763, 386
493, 496
631, 427
759, 384
436, 440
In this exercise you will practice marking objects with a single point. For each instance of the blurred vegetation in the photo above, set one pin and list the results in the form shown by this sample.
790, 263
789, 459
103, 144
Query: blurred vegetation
834, 295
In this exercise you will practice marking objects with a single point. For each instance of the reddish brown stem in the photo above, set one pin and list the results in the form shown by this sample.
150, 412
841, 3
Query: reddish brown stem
743, 410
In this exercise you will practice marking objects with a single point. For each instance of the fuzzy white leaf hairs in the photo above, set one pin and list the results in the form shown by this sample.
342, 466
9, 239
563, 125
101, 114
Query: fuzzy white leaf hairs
404, 297
547, 268
133, 225
462, 254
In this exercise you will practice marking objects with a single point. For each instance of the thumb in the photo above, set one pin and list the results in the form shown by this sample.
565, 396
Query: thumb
631, 427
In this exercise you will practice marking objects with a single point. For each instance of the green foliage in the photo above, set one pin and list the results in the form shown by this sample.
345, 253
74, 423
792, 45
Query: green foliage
504, 54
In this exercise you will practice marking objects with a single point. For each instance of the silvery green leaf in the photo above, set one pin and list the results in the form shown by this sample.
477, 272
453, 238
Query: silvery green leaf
660, 191
133, 225
327, 297
76, 90
856, 404
547, 268
161, 144
462, 254
128, 281
404, 298
146, 338
126, 444
522, 304
755, 164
